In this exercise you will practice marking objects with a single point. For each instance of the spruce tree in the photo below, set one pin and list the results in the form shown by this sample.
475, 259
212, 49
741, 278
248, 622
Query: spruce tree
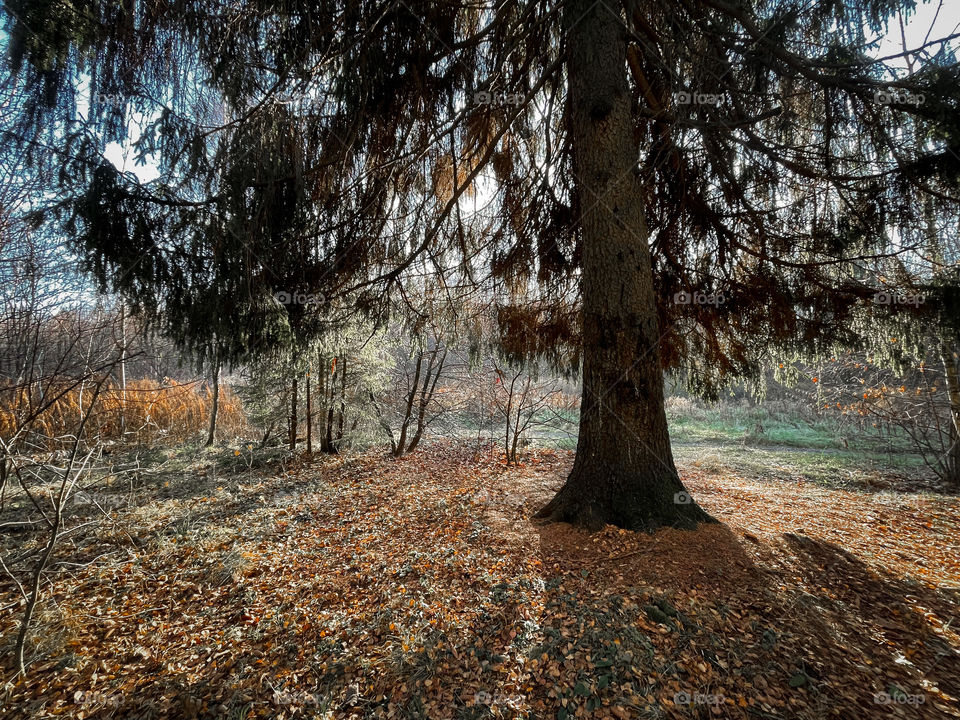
697, 177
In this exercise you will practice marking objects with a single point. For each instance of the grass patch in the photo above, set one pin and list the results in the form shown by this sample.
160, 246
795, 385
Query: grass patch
834, 468
693, 422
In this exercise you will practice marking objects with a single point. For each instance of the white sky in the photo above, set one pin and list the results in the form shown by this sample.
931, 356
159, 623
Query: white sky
931, 20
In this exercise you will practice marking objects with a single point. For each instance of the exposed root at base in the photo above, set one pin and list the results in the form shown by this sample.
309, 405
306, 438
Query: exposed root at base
594, 517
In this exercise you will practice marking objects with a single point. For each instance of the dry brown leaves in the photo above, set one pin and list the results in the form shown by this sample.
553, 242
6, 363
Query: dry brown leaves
420, 588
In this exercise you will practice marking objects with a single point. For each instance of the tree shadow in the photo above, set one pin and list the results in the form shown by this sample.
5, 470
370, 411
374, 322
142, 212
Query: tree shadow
818, 634
893, 620
709, 623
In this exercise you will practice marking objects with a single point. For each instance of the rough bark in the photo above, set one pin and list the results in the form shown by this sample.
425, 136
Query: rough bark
624, 472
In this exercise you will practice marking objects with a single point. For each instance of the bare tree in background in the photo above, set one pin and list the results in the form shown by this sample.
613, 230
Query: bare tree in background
56, 358
417, 371
521, 397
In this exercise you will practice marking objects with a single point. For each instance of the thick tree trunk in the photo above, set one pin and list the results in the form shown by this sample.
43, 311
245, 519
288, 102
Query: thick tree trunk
624, 472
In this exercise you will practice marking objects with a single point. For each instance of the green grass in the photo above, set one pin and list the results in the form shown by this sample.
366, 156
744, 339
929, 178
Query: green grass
773, 441
834, 468
761, 426
770, 431
780, 444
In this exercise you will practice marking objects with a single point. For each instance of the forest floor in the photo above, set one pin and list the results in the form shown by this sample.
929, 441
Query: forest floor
364, 586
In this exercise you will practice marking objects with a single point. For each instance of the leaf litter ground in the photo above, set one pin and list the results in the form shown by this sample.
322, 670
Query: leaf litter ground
420, 588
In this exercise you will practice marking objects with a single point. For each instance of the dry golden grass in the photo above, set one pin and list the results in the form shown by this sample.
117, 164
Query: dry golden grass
148, 411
